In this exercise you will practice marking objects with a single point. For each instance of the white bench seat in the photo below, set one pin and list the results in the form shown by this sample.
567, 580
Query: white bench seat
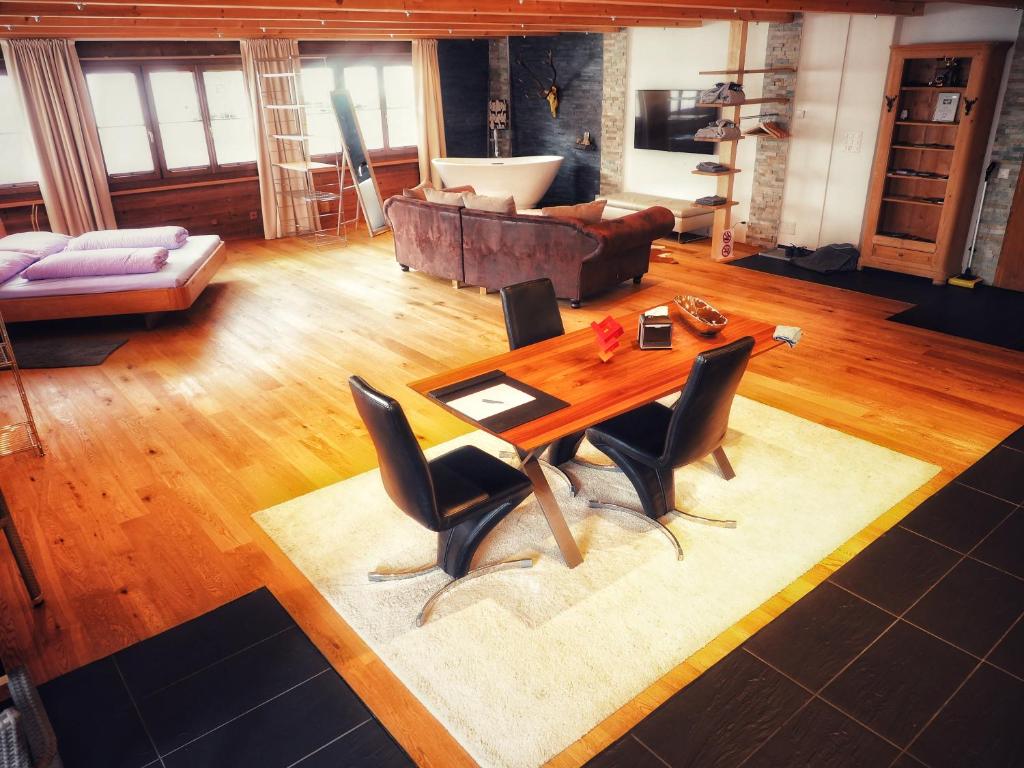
689, 218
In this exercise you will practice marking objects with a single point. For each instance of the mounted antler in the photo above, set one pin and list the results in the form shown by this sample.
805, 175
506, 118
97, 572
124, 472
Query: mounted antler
544, 90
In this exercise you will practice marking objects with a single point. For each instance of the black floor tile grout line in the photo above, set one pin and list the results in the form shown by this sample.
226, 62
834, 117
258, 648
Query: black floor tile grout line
332, 741
249, 710
213, 664
929, 632
656, 756
968, 555
138, 713
814, 697
951, 696
852, 661
958, 481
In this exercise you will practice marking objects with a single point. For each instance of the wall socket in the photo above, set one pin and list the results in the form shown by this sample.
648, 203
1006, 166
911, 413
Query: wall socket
1003, 173
852, 141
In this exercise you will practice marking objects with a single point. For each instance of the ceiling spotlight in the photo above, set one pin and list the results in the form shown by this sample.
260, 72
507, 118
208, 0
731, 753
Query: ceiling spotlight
220, 34
613, 18
522, 26
79, 6
408, 14
10, 27
263, 29
323, 23
392, 34
35, 19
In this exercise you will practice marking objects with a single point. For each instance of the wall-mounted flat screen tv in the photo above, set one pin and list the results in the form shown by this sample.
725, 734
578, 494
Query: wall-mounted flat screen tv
667, 121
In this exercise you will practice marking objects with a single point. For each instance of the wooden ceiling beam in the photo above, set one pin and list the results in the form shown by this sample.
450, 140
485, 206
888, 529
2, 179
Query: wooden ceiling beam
563, 23
384, 10
885, 7
122, 33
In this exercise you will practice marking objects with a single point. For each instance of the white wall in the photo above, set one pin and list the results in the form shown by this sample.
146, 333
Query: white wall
951, 22
671, 58
840, 80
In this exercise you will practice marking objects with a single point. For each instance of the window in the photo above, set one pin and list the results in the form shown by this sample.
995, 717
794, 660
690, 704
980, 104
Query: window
18, 164
171, 120
121, 121
382, 94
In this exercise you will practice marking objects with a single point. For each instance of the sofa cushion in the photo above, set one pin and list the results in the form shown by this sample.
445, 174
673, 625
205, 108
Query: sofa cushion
444, 198
476, 202
417, 192
586, 212
13, 262
39, 244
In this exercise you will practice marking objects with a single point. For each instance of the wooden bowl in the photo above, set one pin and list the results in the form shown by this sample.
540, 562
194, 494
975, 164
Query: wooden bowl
700, 316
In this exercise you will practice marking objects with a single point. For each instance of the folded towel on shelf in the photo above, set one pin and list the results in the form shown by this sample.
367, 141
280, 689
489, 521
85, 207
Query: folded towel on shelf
97, 263
150, 237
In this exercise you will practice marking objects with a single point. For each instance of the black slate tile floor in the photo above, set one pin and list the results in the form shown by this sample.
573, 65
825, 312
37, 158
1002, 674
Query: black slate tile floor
909, 656
240, 686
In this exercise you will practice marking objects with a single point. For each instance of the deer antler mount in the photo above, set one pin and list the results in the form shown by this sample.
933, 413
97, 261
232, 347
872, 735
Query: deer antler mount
542, 88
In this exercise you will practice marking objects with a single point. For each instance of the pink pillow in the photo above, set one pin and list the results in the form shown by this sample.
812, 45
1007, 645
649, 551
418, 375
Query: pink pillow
39, 244
12, 262
444, 198
586, 212
506, 205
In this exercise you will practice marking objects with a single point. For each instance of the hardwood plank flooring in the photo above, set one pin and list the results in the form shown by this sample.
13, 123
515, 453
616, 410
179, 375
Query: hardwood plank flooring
139, 517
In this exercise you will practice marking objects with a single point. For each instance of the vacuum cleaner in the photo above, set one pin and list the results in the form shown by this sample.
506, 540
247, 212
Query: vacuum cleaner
967, 278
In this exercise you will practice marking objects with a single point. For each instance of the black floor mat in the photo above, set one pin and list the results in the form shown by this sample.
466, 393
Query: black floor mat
64, 352
986, 314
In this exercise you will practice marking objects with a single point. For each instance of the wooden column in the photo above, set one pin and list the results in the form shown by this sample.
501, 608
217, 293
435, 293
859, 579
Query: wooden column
727, 149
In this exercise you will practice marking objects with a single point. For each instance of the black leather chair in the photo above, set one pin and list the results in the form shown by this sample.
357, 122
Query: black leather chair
461, 495
531, 315
650, 442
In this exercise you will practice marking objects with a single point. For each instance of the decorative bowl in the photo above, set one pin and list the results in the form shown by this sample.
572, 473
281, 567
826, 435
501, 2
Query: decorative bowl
700, 316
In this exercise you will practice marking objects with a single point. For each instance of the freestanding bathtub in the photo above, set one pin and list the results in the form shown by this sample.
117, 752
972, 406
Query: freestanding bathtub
525, 178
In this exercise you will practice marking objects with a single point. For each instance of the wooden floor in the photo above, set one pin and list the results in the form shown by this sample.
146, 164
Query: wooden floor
139, 516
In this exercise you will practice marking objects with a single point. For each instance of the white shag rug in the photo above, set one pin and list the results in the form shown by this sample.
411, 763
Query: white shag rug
519, 664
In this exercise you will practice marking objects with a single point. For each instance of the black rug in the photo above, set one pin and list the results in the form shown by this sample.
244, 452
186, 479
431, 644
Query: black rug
986, 314
239, 687
64, 351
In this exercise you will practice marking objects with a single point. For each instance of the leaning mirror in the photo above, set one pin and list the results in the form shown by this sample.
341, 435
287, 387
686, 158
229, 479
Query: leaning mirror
357, 159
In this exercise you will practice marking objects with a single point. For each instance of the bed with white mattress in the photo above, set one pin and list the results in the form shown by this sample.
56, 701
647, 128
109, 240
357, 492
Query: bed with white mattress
175, 286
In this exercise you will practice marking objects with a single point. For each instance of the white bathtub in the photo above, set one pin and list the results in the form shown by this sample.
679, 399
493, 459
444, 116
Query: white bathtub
525, 178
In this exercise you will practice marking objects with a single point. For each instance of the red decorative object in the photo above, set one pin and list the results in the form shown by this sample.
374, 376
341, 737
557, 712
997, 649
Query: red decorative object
608, 332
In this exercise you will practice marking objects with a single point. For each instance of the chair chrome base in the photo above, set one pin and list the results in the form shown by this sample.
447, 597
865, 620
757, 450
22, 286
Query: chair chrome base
573, 490
641, 516
717, 522
594, 465
401, 575
428, 606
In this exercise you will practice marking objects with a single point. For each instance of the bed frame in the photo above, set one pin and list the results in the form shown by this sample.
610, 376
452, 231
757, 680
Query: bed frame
151, 303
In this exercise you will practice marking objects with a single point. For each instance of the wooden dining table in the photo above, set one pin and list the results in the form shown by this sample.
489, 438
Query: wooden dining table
568, 367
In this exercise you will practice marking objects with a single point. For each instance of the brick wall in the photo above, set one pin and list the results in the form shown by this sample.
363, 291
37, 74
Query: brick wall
464, 87
772, 158
499, 88
613, 110
578, 59
1007, 149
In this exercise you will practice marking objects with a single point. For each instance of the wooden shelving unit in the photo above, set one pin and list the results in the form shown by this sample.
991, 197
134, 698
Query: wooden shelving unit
904, 231
737, 58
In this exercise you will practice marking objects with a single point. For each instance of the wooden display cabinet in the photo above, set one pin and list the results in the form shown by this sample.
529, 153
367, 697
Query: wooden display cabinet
926, 173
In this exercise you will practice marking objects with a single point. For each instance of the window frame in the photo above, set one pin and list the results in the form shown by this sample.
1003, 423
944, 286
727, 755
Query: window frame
161, 173
22, 190
337, 63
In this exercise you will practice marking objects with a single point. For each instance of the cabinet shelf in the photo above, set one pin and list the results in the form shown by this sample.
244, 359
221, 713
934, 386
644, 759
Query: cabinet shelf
936, 88
910, 201
927, 123
767, 71
905, 177
730, 172
726, 204
914, 148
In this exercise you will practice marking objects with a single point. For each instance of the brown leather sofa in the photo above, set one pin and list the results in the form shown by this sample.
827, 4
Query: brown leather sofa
492, 250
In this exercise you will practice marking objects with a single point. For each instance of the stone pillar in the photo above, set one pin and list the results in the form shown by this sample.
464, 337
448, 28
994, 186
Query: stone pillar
1006, 149
499, 88
613, 110
783, 50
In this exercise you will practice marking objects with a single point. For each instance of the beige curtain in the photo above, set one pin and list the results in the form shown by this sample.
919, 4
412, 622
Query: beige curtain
429, 110
285, 212
72, 176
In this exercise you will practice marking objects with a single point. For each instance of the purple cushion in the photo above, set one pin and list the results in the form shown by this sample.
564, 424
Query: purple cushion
39, 244
12, 262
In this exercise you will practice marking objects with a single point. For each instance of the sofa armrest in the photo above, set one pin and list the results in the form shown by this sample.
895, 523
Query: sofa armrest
632, 231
